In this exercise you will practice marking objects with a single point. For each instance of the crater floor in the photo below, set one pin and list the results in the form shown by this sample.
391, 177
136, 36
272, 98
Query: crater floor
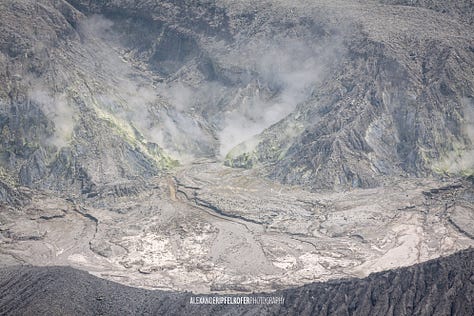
209, 228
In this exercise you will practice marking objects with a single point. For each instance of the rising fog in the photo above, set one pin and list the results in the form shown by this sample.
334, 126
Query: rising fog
195, 118
461, 160
282, 74
287, 71
58, 109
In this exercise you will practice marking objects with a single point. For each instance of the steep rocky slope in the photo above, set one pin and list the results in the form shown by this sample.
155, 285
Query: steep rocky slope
440, 287
377, 90
392, 106
168, 144
365, 90
59, 129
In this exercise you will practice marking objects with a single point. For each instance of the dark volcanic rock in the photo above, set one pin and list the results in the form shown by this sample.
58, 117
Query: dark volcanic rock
55, 133
339, 93
444, 286
100, 99
390, 107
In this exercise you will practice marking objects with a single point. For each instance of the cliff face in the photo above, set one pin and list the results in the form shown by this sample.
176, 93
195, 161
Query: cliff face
60, 126
323, 94
388, 93
172, 143
391, 106
444, 286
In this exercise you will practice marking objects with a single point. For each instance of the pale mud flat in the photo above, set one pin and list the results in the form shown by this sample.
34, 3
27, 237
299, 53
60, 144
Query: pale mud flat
209, 228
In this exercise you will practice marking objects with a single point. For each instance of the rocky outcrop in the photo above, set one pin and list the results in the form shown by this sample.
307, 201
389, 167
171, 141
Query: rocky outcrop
391, 107
60, 129
323, 94
444, 286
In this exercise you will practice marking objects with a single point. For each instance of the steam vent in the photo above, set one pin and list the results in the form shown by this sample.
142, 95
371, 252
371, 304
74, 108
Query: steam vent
237, 157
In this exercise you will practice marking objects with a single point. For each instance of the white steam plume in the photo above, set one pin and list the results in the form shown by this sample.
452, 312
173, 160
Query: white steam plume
58, 109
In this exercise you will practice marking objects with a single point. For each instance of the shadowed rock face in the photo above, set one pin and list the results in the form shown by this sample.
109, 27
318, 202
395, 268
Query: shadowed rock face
322, 94
57, 130
444, 286
388, 108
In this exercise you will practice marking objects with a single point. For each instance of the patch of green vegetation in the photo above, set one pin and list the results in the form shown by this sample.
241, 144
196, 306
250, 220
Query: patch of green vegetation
245, 160
136, 139
165, 161
459, 161
6, 178
273, 152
